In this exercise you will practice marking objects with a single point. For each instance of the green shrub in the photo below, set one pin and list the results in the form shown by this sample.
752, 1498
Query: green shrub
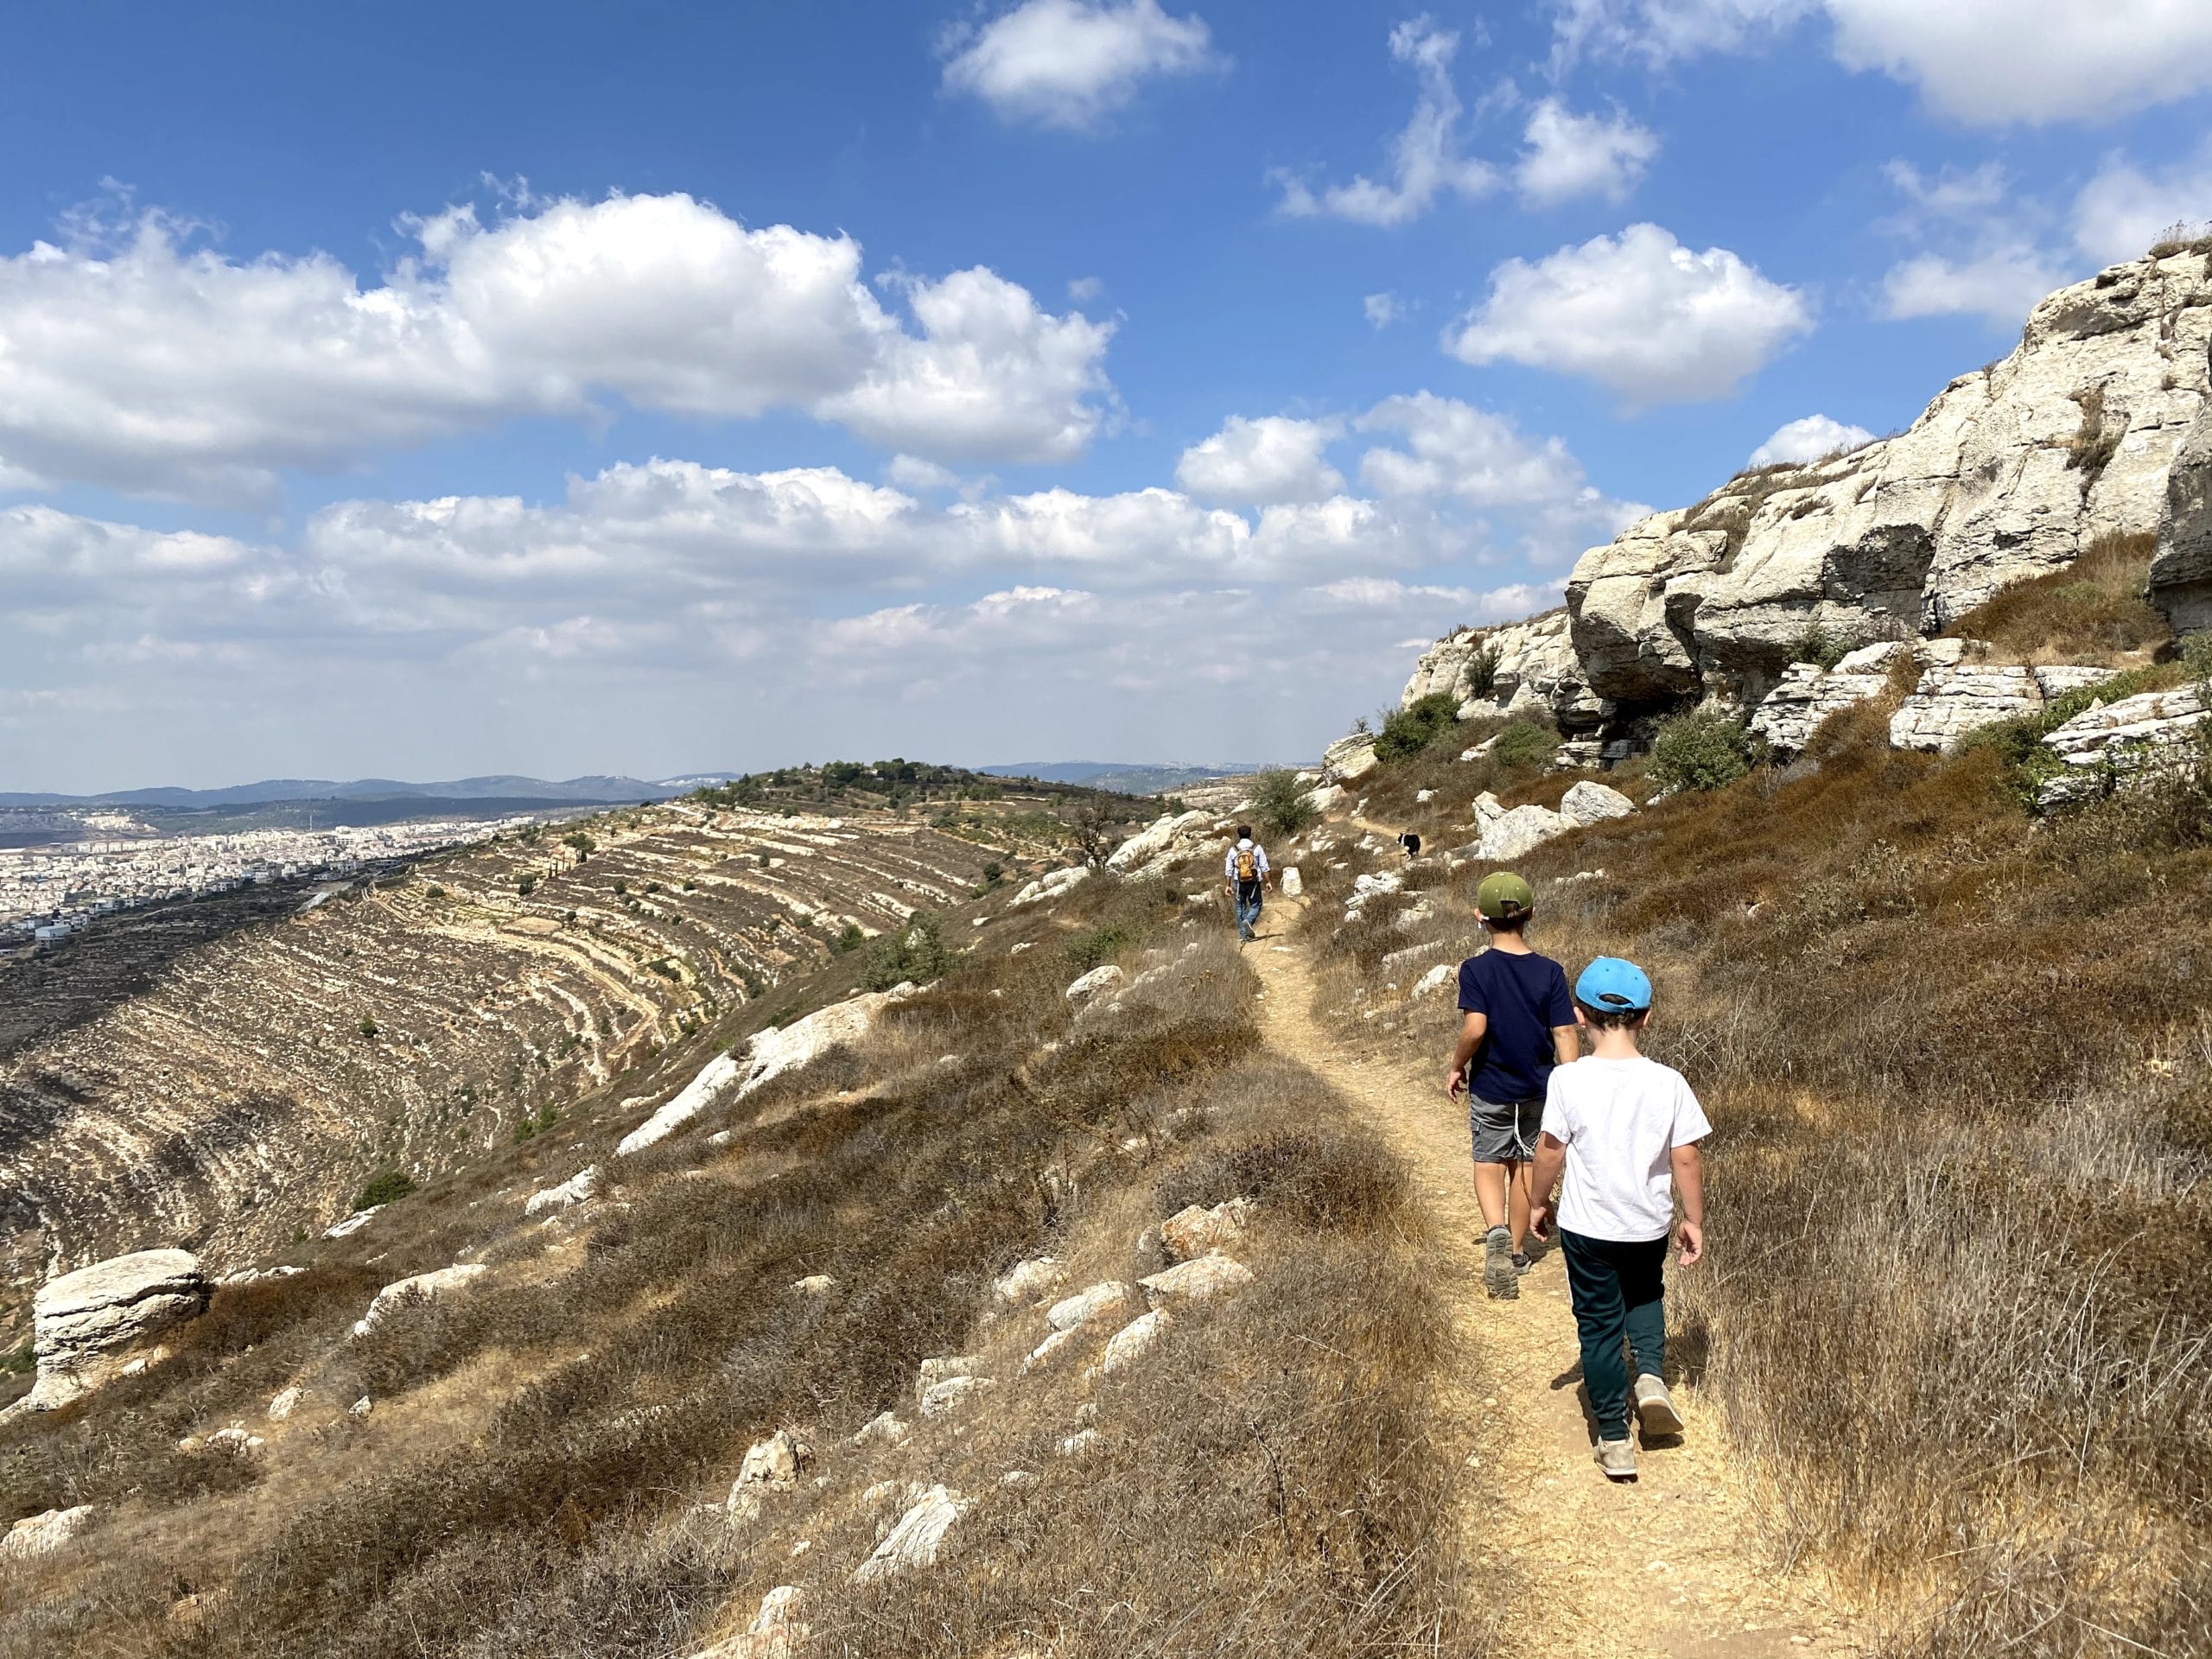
526, 884
1408, 732
1525, 745
1821, 647
1700, 750
1482, 672
383, 1187
1282, 804
917, 952
436, 892
851, 939
369, 1026
1098, 947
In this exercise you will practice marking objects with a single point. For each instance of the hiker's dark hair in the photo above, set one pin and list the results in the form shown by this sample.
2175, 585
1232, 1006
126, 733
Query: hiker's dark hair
1610, 1019
1243, 832
1513, 924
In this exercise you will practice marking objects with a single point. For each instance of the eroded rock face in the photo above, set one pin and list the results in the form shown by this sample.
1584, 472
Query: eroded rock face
1528, 665
1196, 1280
440, 1282
2181, 573
1192, 1232
87, 1326
42, 1535
2008, 475
1513, 833
1348, 758
1588, 802
919, 1538
1808, 694
1171, 836
2111, 742
1097, 980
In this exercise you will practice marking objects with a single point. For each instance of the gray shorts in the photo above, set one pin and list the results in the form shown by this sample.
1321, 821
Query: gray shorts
1504, 1134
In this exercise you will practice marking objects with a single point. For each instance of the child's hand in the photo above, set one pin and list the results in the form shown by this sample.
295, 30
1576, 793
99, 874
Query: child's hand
1693, 1236
1540, 1216
1455, 1084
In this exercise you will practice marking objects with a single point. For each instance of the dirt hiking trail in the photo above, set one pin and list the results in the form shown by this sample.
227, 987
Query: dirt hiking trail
1666, 1566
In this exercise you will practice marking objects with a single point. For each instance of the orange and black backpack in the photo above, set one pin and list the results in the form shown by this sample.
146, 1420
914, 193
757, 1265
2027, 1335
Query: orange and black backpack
1248, 864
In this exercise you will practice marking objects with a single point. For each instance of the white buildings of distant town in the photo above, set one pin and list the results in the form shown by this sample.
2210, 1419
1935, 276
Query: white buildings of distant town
48, 892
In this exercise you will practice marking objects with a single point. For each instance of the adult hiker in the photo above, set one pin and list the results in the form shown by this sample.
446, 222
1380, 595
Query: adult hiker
1518, 1025
1619, 1126
1244, 873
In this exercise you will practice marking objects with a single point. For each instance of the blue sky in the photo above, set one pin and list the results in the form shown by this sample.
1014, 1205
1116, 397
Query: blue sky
570, 388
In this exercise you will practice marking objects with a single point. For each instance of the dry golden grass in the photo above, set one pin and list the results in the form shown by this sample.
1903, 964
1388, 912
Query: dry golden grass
1961, 1228
2093, 611
1270, 1481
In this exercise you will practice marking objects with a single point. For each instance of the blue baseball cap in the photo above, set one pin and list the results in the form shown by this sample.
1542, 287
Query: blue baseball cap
1613, 985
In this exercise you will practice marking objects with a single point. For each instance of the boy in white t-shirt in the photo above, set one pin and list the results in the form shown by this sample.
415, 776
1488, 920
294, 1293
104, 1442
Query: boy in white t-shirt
1620, 1127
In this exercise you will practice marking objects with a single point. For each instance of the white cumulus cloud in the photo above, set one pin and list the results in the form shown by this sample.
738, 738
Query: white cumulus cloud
1265, 462
1426, 159
1638, 313
1069, 63
1382, 309
2002, 283
1808, 439
141, 360
2119, 213
1569, 156
1989, 62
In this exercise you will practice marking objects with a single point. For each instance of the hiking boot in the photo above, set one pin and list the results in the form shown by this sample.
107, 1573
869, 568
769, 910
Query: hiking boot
1616, 1458
1499, 1276
1655, 1407
1522, 1262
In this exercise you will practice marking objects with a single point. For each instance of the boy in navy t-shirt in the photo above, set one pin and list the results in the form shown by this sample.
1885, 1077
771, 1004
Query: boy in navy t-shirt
1519, 1024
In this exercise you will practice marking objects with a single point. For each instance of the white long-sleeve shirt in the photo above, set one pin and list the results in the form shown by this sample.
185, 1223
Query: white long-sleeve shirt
1229, 864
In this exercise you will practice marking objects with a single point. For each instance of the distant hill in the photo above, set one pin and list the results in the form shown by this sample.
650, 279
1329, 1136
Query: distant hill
504, 788
1121, 777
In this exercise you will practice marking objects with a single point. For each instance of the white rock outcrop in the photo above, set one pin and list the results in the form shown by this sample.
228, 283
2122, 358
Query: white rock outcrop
1435, 979
1051, 885
773, 1465
939, 1398
919, 1538
1196, 1280
1086, 1305
2007, 474
1519, 830
776, 1632
768, 1055
1808, 694
1290, 883
2108, 743
284, 1404
42, 1535
574, 1191
2181, 571
1950, 703
1348, 758
883, 1429
87, 1326
1091, 984
440, 1282
1025, 1281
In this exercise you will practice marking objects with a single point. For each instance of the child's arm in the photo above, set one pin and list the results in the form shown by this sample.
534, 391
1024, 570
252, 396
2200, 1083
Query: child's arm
1472, 1029
1689, 1178
1543, 1175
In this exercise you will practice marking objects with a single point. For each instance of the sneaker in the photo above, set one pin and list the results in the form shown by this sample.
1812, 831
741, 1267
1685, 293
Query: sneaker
1655, 1407
1616, 1458
1523, 1261
1498, 1277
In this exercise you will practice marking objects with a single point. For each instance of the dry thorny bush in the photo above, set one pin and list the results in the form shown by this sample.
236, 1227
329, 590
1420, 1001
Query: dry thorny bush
1961, 1274
1270, 1480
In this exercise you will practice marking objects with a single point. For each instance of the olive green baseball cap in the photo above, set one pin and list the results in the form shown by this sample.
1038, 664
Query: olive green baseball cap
1502, 896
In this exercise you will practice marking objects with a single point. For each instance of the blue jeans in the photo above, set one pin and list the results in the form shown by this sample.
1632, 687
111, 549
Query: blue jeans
1248, 908
1618, 1291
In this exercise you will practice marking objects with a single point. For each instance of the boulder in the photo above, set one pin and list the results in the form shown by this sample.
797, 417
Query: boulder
360, 1408
1192, 1232
284, 1404
883, 1429
1097, 980
1196, 1280
87, 1324
1076, 1445
940, 1398
776, 1632
1168, 837
814, 1286
442, 1281
774, 1465
574, 1191
1026, 1281
1522, 830
1135, 1340
1436, 979
934, 1371
917, 1539
1588, 802
2181, 570
1349, 758
1080, 1309
1327, 797
1045, 1351
41, 1534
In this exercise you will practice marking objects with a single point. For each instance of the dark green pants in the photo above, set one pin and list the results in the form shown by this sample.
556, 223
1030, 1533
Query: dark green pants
1618, 1290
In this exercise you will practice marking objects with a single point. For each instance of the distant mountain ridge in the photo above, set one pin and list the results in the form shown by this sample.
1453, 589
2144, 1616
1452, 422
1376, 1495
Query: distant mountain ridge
1122, 777
591, 790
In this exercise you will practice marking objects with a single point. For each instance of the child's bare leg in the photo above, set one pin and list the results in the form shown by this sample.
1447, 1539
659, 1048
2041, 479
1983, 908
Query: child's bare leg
1490, 1193
1517, 1204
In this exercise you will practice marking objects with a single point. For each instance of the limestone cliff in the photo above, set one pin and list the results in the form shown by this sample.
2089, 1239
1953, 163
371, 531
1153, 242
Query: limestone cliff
2009, 472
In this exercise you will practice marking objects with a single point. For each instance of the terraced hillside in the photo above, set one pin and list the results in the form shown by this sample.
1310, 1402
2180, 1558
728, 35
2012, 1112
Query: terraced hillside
251, 1083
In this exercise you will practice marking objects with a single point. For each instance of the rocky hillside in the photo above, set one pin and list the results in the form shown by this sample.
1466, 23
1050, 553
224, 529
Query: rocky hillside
238, 1086
2069, 442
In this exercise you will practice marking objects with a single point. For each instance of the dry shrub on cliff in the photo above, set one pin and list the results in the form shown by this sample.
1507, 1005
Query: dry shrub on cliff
2091, 611
1960, 1290
524, 1484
